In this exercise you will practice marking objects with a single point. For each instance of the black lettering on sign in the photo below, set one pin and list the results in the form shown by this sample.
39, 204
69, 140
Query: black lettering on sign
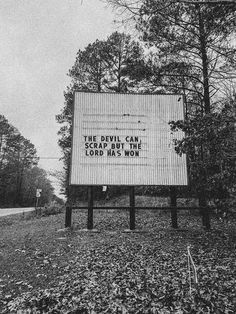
112, 146
133, 139
94, 152
93, 145
113, 153
135, 146
89, 138
131, 153
117, 145
106, 138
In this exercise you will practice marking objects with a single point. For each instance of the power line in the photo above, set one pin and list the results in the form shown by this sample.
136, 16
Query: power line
207, 1
49, 157
25, 157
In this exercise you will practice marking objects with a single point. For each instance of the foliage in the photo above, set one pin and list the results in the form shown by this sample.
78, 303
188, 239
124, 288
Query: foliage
17, 155
113, 65
210, 144
116, 272
109, 65
195, 50
19, 176
189, 49
51, 209
60, 175
36, 178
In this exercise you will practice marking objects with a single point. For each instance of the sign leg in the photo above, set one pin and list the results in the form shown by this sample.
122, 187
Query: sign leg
90, 208
206, 219
68, 209
173, 204
68, 216
132, 208
202, 205
204, 211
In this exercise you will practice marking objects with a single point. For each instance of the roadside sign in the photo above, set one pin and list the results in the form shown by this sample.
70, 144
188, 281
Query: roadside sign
38, 192
125, 139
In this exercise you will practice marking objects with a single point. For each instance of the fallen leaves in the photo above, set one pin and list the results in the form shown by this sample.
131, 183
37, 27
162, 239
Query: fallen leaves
116, 272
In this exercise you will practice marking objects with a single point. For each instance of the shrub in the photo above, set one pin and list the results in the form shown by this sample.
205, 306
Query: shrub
50, 209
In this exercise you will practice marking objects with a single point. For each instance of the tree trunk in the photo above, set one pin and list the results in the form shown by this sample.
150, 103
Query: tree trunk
202, 34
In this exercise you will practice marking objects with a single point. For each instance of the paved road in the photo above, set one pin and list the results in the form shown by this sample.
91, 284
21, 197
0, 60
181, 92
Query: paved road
12, 211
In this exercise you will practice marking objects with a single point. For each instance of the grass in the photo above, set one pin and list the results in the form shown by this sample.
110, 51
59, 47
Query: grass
112, 271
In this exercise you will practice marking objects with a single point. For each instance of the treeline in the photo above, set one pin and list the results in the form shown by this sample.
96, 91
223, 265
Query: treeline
19, 174
179, 47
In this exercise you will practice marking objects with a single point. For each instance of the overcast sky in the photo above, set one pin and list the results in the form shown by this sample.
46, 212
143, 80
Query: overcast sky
38, 45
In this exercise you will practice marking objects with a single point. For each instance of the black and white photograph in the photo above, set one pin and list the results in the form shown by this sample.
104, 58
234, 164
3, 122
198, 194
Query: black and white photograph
118, 157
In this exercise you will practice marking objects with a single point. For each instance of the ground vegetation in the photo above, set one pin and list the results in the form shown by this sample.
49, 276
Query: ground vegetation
43, 270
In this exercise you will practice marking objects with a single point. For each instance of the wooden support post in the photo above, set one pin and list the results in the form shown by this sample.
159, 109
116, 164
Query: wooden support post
206, 218
173, 204
204, 211
90, 208
202, 205
68, 209
68, 216
132, 208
